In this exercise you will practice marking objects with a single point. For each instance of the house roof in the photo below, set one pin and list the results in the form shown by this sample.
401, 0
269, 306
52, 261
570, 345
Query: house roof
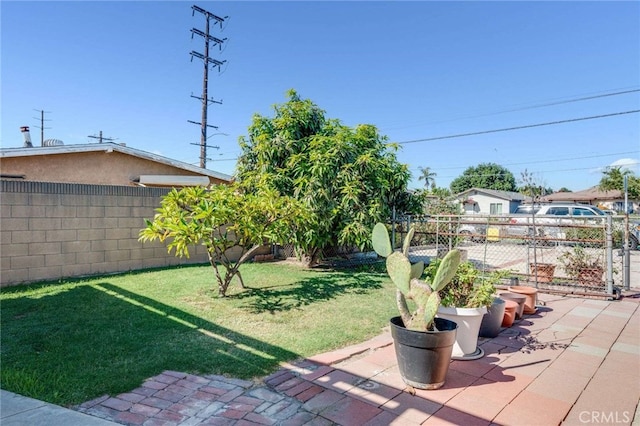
109, 147
504, 195
591, 194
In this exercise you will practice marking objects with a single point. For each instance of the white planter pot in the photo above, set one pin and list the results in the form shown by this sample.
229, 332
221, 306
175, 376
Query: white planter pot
469, 321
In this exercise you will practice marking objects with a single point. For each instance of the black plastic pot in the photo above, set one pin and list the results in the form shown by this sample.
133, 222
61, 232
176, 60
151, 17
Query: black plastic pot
424, 356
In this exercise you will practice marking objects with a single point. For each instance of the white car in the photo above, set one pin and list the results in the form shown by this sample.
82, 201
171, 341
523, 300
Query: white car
546, 216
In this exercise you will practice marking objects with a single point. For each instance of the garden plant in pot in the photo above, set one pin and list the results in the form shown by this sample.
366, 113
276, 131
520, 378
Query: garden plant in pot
423, 343
465, 301
584, 267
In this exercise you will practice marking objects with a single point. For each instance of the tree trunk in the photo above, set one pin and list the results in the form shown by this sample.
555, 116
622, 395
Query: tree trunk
212, 261
309, 259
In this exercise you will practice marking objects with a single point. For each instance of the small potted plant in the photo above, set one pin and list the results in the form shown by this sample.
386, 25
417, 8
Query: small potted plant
465, 301
542, 272
583, 267
423, 343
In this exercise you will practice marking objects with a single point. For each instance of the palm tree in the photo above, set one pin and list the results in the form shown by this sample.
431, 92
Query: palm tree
428, 176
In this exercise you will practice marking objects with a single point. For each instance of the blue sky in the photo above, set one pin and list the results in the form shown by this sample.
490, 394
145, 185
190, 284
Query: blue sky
416, 70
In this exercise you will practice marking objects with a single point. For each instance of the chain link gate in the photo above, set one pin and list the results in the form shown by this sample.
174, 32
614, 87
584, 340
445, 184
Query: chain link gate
568, 255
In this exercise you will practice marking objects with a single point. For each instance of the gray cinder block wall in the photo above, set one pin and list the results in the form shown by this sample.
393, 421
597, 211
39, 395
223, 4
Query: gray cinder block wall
50, 231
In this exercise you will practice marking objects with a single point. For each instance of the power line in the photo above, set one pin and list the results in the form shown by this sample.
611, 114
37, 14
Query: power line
549, 160
515, 128
619, 92
540, 171
223, 159
528, 126
586, 98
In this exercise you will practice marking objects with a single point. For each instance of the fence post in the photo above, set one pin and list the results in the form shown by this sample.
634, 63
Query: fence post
393, 227
609, 253
437, 232
626, 252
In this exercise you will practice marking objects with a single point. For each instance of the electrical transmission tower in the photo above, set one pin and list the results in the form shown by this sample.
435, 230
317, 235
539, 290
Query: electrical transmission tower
41, 126
207, 60
101, 138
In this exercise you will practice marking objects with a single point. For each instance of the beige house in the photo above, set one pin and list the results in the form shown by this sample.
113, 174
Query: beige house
77, 210
102, 164
613, 199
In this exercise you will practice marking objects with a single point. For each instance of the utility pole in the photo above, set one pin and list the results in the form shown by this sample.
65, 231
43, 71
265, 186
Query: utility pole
207, 60
101, 138
41, 126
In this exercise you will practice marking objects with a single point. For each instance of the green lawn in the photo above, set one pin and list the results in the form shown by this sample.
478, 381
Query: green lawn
70, 342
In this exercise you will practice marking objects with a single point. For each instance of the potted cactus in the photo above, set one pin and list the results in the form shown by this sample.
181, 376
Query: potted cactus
423, 343
465, 301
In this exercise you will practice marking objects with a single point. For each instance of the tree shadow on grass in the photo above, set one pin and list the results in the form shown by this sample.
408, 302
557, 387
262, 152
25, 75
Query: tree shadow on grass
78, 343
322, 287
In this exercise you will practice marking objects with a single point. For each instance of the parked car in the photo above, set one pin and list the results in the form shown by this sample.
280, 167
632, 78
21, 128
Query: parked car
473, 232
546, 216
527, 209
569, 210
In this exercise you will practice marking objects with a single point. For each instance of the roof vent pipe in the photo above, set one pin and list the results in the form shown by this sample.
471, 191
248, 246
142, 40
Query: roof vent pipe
27, 136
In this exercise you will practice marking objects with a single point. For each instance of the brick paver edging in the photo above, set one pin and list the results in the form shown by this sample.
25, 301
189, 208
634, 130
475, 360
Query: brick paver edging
287, 397
174, 398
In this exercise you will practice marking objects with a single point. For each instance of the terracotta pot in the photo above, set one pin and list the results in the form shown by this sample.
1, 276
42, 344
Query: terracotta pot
510, 308
518, 298
531, 293
543, 271
590, 276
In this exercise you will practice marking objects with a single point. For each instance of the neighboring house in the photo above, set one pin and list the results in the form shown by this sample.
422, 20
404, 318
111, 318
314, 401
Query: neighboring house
613, 199
489, 201
102, 164
77, 210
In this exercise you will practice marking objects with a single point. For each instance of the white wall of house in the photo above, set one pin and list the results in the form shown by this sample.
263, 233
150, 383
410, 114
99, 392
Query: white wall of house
485, 204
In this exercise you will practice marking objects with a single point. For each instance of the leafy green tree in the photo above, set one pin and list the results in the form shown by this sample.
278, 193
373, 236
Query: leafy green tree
486, 176
613, 179
428, 176
231, 224
438, 202
564, 189
349, 178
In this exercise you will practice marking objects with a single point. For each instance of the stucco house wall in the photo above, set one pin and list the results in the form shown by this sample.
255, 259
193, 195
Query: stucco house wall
77, 210
101, 164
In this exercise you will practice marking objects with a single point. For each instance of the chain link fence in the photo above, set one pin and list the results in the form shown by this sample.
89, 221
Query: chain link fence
569, 255
575, 255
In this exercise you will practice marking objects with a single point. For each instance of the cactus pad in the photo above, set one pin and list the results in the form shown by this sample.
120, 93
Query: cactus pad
380, 240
